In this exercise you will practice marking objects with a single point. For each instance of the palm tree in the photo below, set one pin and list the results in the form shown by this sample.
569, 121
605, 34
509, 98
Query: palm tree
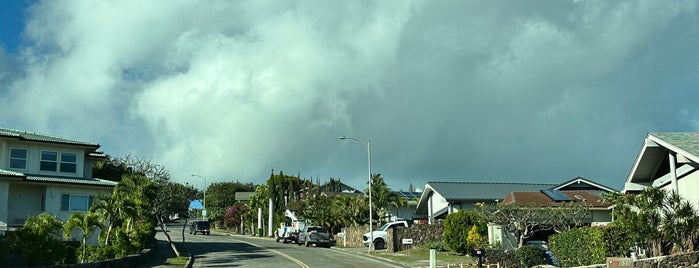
113, 210
86, 223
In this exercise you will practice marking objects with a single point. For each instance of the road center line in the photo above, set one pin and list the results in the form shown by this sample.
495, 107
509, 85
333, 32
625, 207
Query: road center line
300, 263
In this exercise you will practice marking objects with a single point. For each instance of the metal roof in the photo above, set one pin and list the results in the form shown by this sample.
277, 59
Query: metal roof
71, 180
10, 173
483, 190
33, 136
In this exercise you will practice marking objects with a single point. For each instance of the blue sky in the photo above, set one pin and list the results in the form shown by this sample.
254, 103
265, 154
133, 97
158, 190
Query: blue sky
506, 91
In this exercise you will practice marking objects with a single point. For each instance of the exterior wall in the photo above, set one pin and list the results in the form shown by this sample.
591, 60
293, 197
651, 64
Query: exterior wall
437, 202
601, 217
4, 192
688, 187
34, 157
24, 200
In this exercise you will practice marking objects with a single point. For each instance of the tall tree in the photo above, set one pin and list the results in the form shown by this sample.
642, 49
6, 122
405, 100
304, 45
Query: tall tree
113, 209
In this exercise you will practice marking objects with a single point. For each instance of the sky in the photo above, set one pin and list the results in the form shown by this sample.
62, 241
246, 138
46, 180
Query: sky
497, 91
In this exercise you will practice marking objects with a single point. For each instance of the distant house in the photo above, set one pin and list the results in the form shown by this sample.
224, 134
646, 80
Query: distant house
578, 190
669, 161
404, 212
42, 173
443, 198
440, 199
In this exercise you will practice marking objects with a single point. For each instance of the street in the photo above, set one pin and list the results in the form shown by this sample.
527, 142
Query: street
222, 250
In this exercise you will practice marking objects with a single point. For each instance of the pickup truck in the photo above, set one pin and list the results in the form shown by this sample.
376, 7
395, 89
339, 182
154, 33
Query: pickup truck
381, 235
314, 235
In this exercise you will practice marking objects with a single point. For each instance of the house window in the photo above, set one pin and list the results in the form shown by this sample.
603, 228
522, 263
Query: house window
49, 161
18, 158
71, 202
69, 162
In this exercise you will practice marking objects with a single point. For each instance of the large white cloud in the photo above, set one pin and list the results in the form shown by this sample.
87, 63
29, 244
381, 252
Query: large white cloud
444, 90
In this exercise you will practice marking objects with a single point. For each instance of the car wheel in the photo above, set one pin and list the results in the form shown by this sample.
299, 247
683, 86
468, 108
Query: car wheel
307, 244
277, 240
379, 244
298, 241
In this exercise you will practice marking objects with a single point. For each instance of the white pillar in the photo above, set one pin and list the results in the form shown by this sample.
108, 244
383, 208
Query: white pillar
673, 172
269, 226
430, 219
259, 221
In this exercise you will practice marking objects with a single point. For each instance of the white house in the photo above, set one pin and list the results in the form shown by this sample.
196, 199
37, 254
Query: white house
669, 161
42, 173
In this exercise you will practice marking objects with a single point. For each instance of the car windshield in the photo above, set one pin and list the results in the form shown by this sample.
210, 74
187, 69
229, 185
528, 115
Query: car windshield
383, 227
317, 229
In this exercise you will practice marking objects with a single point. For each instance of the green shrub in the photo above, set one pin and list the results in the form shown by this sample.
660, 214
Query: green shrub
579, 247
530, 256
617, 240
457, 226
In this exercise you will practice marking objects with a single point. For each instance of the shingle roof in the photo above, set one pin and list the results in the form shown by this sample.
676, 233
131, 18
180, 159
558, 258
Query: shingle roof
539, 198
688, 141
33, 136
483, 190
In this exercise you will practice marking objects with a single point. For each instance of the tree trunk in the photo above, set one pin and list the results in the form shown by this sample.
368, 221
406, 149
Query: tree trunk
183, 227
167, 236
109, 231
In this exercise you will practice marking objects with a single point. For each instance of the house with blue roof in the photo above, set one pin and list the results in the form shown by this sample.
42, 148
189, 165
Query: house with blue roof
669, 161
42, 173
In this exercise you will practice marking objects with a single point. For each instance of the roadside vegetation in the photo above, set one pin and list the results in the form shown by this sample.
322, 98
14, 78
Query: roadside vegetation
126, 219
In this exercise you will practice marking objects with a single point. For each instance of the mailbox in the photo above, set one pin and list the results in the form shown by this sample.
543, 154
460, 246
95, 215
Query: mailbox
478, 252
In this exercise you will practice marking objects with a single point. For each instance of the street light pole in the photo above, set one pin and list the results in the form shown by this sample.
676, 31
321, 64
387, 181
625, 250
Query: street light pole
204, 202
367, 144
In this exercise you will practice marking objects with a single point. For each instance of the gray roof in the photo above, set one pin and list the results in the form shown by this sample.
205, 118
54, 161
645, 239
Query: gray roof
71, 180
58, 179
688, 141
484, 190
33, 136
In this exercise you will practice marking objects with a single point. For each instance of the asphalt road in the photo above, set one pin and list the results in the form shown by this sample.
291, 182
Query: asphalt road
222, 250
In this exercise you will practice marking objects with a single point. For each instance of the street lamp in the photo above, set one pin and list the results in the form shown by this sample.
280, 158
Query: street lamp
367, 144
204, 203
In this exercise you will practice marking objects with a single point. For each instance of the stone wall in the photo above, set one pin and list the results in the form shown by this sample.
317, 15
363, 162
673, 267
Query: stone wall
419, 233
354, 236
133, 260
678, 260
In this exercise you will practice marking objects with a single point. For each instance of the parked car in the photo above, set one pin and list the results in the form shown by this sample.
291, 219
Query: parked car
314, 235
202, 227
381, 235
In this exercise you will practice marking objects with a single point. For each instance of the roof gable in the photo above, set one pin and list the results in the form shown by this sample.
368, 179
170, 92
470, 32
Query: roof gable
580, 183
652, 160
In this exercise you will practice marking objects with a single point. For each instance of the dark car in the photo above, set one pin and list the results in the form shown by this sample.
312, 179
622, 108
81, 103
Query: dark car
314, 235
201, 227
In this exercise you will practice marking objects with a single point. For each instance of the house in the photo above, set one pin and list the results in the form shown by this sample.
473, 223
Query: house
669, 161
42, 173
440, 199
404, 212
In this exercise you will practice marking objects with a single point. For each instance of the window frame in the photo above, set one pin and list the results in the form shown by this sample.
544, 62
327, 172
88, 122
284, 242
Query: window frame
26, 157
60, 165
67, 205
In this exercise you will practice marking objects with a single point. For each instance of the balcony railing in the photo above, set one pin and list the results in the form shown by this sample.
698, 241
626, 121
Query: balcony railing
16, 218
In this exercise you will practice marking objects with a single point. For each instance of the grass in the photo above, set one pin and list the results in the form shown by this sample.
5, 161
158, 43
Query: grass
417, 254
182, 259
